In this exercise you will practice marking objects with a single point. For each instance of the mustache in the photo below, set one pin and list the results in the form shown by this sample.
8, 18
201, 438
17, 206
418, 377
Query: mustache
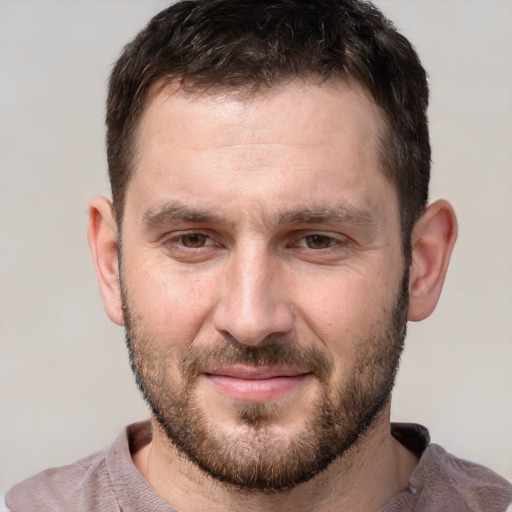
273, 352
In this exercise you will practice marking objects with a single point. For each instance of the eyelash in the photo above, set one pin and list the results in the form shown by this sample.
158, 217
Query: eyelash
320, 237
301, 242
177, 241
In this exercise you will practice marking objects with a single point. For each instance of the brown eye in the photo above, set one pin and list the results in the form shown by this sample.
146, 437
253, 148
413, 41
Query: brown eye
194, 240
319, 241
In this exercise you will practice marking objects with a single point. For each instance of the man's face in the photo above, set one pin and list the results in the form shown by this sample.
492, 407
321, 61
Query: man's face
263, 282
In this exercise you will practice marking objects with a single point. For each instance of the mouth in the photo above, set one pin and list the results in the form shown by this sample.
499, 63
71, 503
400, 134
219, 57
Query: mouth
256, 384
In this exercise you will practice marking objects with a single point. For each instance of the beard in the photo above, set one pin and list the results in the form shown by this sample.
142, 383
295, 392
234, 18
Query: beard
255, 456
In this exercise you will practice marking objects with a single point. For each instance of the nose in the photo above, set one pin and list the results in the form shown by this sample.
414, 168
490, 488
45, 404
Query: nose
252, 301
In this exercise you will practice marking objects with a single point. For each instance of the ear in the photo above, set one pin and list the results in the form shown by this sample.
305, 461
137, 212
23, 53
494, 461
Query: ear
102, 236
433, 239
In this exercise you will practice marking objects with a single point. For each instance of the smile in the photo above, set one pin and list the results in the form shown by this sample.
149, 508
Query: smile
256, 384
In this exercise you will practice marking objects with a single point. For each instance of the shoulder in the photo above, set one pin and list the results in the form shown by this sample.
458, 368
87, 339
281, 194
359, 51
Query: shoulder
442, 482
445, 482
66, 488
102, 481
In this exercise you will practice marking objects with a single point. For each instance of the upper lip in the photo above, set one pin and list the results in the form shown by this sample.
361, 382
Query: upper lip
255, 372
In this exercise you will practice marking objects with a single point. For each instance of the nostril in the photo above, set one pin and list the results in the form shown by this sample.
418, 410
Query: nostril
253, 327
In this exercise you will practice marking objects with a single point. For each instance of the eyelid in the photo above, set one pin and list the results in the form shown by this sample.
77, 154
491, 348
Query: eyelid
174, 238
294, 241
330, 240
337, 238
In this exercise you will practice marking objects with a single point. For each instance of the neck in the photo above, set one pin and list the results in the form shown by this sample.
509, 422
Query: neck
363, 479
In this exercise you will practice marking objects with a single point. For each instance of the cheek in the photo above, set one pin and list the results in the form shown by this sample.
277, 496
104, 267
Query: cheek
171, 307
344, 311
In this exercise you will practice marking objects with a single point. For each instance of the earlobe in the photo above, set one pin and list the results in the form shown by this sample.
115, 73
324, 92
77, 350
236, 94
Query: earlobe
102, 236
432, 242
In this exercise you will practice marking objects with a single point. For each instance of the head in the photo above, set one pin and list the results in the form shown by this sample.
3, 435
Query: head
269, 166
248, 46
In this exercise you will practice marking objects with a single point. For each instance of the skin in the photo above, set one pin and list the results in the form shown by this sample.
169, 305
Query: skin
259, 170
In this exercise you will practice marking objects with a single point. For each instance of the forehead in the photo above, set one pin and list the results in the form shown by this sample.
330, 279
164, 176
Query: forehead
300, 141
283, 109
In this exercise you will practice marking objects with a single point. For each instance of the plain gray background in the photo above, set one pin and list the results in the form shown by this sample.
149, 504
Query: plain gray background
65, 383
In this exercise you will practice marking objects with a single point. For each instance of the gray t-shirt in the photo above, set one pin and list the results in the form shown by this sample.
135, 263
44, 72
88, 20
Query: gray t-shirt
108, 481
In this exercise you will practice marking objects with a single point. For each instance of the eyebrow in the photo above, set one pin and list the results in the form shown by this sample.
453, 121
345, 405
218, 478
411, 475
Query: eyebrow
345, 214
178, 212
341, 214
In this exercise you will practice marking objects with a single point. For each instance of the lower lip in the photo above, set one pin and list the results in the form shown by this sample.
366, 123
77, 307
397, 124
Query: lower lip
256, 390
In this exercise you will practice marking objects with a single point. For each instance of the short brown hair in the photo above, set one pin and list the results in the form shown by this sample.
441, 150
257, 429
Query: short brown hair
253, 44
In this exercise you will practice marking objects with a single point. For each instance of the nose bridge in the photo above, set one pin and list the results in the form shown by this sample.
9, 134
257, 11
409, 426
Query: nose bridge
251, 302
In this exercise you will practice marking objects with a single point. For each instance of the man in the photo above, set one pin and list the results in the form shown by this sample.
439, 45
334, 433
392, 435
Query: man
268, 240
